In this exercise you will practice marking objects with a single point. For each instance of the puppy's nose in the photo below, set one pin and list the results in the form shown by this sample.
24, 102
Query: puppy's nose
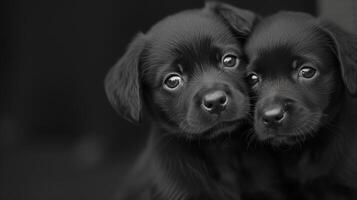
273, 115
215, 102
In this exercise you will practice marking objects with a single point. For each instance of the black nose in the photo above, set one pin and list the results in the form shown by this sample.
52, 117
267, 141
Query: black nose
273, 115
215, 102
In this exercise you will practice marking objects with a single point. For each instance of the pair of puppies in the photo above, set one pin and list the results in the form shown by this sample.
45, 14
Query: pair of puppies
303, 74
188, 72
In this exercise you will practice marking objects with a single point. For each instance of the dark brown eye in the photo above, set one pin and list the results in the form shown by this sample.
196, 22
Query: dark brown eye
307, 72
230, 60
253, 78
173, 81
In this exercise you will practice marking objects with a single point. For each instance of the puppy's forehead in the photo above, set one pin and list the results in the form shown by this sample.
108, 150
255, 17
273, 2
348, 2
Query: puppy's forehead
187, 30
296, 32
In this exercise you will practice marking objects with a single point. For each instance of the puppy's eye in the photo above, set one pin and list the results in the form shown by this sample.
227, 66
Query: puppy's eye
253, 78
307, 72
230, 60
173, 81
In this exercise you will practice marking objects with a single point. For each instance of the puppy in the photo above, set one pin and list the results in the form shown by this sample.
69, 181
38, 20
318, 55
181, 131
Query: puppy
303, 72
187, 71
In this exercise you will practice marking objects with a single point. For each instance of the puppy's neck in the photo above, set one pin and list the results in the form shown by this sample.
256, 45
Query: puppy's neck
346, 123
332, 143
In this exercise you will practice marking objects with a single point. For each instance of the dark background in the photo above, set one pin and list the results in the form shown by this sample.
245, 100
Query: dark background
59, 137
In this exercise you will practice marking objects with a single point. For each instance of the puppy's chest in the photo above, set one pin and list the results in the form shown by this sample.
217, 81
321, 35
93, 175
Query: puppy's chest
305, 168
224, 161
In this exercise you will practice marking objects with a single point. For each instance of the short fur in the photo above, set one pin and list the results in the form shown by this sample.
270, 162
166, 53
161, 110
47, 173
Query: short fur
181, 160
319, 129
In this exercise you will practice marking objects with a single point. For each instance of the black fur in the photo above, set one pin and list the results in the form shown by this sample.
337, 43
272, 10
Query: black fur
314, 142
181, 160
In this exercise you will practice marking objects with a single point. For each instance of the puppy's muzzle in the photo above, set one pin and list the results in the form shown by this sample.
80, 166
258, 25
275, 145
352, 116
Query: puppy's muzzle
274, 115
214, 102
275, 111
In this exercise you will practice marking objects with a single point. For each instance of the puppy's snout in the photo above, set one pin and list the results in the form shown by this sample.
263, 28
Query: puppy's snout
273, 115
274, 111
215, 102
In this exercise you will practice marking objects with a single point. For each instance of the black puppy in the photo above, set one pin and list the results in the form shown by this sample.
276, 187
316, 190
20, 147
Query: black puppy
187, 70
303, 71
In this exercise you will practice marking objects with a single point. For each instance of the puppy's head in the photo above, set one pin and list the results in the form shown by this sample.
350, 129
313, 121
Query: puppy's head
188, 70
299, 68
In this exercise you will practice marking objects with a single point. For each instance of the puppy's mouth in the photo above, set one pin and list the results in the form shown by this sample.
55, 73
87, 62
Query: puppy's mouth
220, 128
283, 140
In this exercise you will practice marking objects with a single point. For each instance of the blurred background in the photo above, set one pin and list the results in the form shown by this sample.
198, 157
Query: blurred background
59, 137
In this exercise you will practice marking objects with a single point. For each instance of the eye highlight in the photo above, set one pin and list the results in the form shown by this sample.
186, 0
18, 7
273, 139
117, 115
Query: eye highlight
253, 78
173, 81
230, 60
307, 72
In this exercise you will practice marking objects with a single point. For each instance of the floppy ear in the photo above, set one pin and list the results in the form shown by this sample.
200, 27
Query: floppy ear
345, 47
240, 20
122, 84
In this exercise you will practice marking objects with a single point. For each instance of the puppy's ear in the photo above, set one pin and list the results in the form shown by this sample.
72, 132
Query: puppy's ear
240, 20
122, 84
345, 47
